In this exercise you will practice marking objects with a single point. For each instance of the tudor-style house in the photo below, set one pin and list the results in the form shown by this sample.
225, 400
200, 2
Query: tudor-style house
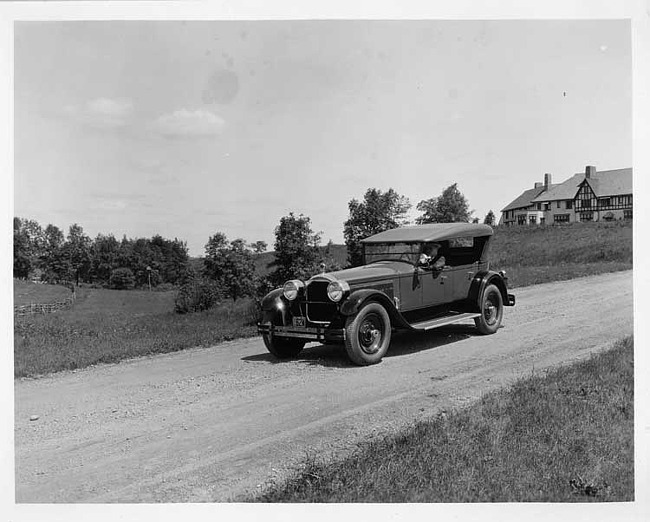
592, 196
522, 211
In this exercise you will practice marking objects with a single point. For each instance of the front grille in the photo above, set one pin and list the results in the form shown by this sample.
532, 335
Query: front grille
319, 307
317, 292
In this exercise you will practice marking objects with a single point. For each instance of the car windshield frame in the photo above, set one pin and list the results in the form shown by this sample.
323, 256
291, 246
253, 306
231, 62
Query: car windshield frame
401, 251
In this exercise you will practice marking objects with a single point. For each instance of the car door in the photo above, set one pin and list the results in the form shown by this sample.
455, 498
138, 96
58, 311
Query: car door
410, 290
460, 280
436, 285
462, 257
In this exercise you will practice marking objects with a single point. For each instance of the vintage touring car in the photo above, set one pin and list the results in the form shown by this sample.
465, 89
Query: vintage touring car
414, 277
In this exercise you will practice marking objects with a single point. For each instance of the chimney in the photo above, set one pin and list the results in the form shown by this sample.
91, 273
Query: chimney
590, 171
547, 180
538, 184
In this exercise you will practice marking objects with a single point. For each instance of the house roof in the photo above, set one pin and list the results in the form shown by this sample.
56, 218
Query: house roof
525, 198
430, 232
604, 183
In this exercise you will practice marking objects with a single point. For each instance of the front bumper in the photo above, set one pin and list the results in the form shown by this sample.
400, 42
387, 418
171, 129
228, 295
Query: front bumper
310, 333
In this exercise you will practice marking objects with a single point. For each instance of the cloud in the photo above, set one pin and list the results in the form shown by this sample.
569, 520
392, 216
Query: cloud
102, 113
189, 124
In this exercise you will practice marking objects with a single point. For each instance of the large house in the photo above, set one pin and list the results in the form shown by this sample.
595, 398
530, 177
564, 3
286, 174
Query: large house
588, 196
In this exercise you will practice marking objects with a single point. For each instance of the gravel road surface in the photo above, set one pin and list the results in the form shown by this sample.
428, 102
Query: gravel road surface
216, 424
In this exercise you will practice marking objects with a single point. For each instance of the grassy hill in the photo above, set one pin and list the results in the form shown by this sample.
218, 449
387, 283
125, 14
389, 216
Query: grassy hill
26, 292
532, 255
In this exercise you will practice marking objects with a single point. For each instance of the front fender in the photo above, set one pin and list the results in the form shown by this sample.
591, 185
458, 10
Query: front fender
275, 308
272, 299
481, 281
358, 298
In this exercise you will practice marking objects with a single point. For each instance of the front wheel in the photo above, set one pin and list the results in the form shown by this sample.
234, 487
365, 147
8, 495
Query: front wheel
281, 347
491, 311
367, 334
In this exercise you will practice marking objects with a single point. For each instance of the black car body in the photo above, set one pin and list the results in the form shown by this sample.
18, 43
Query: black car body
399, 286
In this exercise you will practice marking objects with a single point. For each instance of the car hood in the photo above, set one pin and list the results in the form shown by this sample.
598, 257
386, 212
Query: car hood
372, 272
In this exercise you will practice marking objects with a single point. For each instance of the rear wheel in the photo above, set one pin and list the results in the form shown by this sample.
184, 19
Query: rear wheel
367, 334
282, 347
491, 311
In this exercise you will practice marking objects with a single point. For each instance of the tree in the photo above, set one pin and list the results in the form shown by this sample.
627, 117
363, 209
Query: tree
259, 246
296, 250
450, 207
122, 279
29, 243
231, 266
77, 249
489, 218
22, 252
379, 211
105, 257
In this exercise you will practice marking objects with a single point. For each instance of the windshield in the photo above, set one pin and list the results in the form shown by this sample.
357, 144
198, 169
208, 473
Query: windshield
407, 252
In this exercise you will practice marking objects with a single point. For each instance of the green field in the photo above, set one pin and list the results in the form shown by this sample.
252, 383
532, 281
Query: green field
111, 325
106, 326
532, 255
26, 292
563, 436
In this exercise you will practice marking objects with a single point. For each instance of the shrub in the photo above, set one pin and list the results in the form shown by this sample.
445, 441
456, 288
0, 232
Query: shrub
122, 279
197, 294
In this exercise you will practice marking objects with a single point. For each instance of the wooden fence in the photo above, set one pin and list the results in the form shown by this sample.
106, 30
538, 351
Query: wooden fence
46, 308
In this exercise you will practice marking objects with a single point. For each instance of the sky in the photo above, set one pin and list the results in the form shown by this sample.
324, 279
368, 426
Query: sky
185, 129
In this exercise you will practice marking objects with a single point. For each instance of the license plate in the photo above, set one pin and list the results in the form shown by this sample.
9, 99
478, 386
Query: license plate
299, 321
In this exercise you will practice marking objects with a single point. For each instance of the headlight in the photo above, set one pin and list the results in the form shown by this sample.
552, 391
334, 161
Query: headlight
291, 288
336, 290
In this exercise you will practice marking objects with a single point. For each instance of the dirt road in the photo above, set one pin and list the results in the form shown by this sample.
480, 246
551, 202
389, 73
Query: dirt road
213, 424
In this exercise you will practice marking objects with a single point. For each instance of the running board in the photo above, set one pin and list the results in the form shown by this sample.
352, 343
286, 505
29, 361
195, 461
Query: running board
443, 321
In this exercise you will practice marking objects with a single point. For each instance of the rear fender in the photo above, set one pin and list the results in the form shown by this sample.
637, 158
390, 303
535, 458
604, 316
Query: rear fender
480, 282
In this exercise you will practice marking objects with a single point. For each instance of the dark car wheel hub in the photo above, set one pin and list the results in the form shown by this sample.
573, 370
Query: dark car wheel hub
490, 311
370, 334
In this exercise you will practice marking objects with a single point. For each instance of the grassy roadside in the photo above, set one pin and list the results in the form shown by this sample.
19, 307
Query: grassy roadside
106, 326
567, 436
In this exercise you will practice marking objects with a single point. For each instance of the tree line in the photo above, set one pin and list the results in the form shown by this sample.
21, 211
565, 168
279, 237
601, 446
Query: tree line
49, 255
227, 269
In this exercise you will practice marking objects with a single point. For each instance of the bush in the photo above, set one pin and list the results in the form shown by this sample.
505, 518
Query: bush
196, 295
165, 287
122, 279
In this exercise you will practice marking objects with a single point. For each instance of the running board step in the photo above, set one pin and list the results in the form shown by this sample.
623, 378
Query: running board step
443, 321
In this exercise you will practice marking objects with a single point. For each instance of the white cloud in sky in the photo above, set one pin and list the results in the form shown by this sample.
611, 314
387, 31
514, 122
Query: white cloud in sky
184, 123
103, 113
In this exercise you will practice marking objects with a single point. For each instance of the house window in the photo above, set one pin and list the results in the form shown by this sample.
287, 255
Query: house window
603, 202
627, 214
561, 218
542, 220
521, 219
533, 220
625, 200
586, 216
569, 204
558, 204
539, 206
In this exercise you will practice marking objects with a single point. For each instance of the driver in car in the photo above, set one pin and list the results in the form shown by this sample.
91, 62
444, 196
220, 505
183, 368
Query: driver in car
432, 257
